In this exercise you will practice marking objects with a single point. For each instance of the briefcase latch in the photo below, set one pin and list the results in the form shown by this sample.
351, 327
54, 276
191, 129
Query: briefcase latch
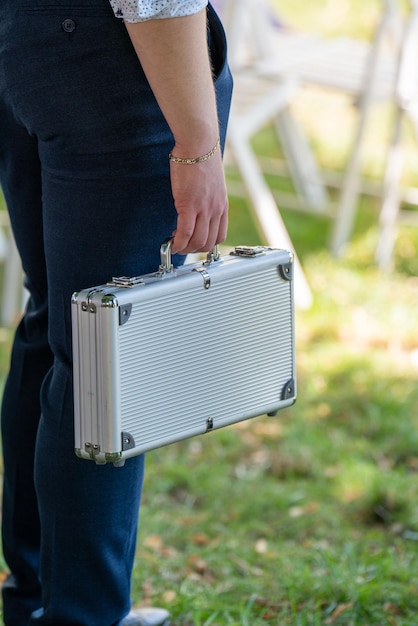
126, 281
205, 275
249, 251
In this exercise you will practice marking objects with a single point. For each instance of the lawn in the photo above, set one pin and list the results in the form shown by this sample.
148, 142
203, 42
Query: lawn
309, 518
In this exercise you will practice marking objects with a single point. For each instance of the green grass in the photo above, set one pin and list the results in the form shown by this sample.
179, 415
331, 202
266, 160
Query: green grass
309, 518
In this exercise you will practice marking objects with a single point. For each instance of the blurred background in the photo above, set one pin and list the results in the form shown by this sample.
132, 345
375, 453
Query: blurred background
309, 518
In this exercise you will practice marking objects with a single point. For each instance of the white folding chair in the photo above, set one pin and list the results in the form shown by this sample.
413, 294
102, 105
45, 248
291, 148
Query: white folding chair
258, 100
378, 83
13, 294
406, 97
263, 96
366, 72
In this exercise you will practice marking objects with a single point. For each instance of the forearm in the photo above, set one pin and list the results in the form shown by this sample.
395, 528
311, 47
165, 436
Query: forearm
175, 59
174, 55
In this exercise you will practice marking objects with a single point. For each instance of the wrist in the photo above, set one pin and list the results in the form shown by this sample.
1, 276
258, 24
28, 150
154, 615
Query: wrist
196, 139
193, 160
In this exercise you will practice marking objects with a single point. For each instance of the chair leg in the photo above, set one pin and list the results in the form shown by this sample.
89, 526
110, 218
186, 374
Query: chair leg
346, 210
303, 169
13, 291
265, 210
4, 245
391, 201
407, 95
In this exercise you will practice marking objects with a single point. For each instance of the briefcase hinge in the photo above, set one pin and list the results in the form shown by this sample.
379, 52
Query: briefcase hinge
92, 449
212, 255
88, 307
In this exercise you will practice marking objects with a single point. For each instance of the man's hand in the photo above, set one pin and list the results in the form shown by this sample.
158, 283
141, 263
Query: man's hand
201, 202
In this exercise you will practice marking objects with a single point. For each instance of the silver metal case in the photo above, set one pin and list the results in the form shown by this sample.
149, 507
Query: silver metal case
174, 354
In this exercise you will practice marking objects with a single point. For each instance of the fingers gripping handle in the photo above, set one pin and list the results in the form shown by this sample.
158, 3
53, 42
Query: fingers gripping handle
166, 265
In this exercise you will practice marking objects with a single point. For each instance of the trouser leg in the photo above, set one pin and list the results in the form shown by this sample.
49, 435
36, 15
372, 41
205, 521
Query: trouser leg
101, 212
88, 514
30, 360
103, 205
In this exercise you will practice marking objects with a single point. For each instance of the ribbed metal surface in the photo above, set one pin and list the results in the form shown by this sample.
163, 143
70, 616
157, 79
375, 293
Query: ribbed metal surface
242, 356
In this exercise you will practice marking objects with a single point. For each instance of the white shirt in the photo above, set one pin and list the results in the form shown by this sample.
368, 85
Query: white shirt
142, 10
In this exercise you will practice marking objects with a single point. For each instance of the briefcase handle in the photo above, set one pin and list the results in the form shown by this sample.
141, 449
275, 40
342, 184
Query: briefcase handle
166, 265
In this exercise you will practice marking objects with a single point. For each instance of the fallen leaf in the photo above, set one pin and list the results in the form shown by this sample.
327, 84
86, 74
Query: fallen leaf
299, 511
268, 604
261, 546
201, 539
199, 568
338, 611
147, 591
169, 596
268, 616
246, 567
392, 608
153, 541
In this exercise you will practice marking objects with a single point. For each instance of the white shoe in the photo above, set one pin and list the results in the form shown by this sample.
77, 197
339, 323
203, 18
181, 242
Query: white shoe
147, 617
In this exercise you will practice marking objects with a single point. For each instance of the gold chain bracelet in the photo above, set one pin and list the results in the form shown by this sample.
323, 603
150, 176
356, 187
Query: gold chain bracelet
200, 159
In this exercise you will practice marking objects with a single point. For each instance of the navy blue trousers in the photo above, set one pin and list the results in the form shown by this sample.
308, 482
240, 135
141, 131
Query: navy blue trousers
84, 170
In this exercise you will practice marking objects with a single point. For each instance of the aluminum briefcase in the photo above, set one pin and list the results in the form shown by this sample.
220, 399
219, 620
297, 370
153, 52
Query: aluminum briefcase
228, 322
